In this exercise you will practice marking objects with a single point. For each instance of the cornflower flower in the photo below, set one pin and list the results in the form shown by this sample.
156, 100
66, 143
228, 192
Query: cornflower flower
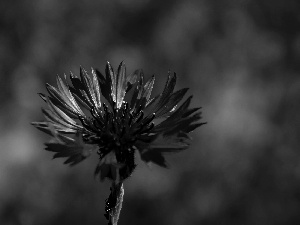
115, 116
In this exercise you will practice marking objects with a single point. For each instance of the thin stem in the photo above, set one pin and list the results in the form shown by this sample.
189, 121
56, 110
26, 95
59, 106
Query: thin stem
114, 203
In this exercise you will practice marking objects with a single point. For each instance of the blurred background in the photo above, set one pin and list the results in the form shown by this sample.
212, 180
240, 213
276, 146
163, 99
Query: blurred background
241, 60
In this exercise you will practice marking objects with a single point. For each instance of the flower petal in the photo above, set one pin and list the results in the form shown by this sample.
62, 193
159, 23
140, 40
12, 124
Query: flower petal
105, 86
170, 102
61, 101
121, 84
75, 151
160, 144
111, 78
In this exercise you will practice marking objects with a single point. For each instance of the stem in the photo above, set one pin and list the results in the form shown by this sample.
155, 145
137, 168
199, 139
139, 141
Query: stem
114, 203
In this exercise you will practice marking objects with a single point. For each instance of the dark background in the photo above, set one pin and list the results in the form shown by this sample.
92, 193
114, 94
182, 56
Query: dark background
241, 60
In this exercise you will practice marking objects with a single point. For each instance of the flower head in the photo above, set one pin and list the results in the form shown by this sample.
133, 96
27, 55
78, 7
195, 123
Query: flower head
115, 116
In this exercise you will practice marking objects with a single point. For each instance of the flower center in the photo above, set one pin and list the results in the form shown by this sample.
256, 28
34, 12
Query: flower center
116, 130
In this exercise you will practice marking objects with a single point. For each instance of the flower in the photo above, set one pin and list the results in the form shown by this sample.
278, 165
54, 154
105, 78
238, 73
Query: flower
115, 116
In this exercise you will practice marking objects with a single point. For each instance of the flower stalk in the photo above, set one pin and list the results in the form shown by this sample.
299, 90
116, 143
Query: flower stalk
113, 204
